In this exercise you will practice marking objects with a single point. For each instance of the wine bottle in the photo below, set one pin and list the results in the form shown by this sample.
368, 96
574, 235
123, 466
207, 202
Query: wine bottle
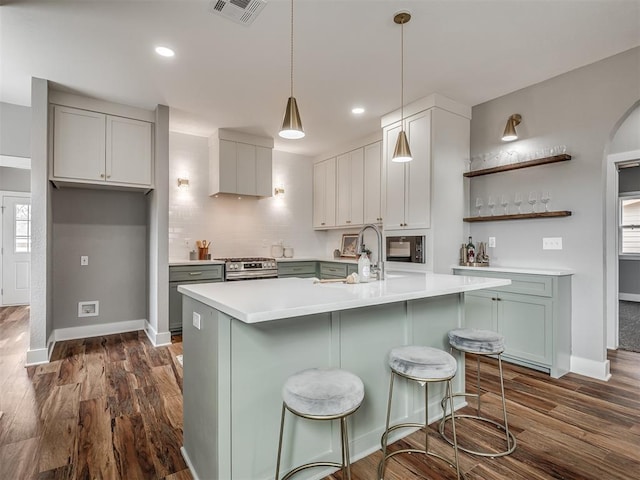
471, 251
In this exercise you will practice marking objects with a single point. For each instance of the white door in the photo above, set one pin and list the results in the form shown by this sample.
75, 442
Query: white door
16, 249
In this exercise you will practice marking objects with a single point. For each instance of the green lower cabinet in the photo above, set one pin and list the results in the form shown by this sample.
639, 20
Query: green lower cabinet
297, 269
536, 323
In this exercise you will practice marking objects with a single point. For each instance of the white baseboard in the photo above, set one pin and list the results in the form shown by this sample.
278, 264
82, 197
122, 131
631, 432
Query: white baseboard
37, 356
98, 329
187, 460
629, 297
157, 339
590, 368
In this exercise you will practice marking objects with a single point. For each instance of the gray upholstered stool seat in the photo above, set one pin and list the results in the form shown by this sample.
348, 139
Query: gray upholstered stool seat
472, 340
479, 343
322, 394
422, 362
424, 365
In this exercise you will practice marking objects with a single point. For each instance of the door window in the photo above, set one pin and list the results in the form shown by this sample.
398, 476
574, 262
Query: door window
22, 243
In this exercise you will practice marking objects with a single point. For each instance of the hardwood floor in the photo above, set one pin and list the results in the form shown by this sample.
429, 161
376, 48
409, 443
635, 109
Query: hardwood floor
111, 408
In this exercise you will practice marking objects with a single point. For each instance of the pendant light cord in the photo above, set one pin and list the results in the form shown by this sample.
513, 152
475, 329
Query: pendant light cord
291, 48
402, 76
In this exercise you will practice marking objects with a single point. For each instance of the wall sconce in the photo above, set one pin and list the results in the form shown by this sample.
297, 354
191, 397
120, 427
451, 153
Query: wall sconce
183, 183
278, 192
510, 129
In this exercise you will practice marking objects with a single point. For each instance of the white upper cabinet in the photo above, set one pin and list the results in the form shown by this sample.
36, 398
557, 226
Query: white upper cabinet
94, 148
240, 164
350, 186
408, 185
373, 183
324, 194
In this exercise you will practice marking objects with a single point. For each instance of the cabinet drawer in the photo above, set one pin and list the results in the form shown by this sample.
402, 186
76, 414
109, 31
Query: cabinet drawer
296, 268
540, 285
192, 273
336, 270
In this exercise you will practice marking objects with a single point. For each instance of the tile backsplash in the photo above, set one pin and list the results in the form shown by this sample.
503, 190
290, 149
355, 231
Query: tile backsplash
239, 227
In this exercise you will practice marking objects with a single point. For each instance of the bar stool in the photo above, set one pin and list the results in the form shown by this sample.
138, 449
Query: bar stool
424, 365
322, 394
479, 343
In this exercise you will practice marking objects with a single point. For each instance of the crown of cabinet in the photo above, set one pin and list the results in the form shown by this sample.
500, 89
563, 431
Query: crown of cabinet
517, 166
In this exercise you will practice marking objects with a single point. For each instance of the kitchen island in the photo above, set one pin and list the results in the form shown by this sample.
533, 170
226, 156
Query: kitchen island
243, 339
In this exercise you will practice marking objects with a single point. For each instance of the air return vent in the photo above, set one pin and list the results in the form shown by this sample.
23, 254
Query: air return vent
240, 11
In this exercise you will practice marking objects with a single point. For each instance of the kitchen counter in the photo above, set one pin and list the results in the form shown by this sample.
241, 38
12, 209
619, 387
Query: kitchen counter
317, 259
252, 302
175, 263
242, 340
524, 270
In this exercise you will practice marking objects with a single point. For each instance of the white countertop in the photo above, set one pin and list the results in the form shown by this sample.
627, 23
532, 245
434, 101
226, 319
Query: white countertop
174, 262
524, 270
317, 259
255, 301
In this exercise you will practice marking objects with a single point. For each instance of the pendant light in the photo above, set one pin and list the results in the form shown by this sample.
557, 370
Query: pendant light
510, 133
402, 152
291, 125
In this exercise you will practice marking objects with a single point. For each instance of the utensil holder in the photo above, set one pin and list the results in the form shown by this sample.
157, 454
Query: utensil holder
203, 252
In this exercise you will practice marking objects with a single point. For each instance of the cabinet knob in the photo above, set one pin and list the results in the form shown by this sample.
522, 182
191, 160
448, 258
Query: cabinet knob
108, 176
348, 221
322, 223
102, 175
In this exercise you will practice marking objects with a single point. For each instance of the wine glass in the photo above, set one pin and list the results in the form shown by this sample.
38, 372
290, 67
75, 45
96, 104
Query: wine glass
533, 199
504, 203
491, 203
517, 201
544, 199
479, 204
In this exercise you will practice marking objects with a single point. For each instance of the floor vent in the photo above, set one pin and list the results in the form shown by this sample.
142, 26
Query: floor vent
239, 11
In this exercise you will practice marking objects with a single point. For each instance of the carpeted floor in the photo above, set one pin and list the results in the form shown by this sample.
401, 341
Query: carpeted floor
629, 326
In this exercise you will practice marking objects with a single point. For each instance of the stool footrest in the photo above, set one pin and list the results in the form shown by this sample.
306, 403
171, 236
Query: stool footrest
450, 462
311, 465
511, 442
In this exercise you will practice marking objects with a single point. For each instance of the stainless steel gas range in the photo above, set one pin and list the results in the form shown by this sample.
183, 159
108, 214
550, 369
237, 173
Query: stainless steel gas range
249, 268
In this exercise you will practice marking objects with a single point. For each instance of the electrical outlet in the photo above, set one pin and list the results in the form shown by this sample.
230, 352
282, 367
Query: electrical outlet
196, 320
84, 260
552, 243
492, 242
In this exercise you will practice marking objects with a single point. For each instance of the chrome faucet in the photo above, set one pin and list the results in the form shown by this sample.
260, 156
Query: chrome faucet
378, 268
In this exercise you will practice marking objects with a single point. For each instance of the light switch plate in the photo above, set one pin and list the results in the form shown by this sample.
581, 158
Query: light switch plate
492, 242
552, 243
196, 320
84, 260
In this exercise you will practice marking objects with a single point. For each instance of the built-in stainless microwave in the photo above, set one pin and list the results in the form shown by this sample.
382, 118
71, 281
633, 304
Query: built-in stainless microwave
406, 249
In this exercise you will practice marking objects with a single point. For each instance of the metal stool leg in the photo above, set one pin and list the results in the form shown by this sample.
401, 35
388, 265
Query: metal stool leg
346, 463
280, 442
385, 435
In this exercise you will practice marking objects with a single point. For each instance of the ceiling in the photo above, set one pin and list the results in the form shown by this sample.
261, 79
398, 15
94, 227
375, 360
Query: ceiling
347, 53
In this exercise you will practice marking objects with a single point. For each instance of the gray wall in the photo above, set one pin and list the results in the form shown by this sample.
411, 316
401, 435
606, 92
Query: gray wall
629, 270
627, 138
109, 227
580, 109
15, 179
15, 130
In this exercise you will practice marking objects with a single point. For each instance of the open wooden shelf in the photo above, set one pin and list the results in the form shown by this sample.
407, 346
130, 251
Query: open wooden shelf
519, 216
516, 166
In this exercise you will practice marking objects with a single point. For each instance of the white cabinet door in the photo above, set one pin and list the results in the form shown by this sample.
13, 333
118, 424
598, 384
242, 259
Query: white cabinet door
408, 188
79, 144
324, 194
418, 175
227, 166
373, 183
395, 178
350, 188
246, 169
128, 153
264, 160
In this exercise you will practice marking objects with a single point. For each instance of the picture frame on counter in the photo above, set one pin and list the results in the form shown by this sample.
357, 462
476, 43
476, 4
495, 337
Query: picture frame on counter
349, 245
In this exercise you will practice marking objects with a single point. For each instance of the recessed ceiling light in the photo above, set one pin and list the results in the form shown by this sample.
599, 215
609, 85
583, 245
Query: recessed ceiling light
357, 110
165, 51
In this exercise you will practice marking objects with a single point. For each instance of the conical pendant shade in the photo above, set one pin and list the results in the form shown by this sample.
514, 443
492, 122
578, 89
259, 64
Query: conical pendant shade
291, 125
402, 153
510, 128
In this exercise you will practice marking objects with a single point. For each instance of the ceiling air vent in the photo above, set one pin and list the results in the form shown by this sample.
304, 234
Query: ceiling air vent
240, 11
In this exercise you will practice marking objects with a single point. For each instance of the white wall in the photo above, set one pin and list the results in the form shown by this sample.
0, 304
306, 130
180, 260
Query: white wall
246, 227
15, 179
15, 130
579, 109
